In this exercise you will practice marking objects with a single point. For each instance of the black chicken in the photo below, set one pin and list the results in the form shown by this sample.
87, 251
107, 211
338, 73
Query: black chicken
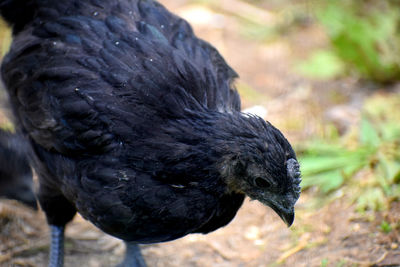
16, 181
135, 124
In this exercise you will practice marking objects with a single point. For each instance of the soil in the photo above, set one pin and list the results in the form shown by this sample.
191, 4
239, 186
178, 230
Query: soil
331, 235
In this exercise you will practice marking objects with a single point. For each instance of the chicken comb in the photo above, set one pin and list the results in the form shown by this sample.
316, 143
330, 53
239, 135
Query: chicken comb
293, 169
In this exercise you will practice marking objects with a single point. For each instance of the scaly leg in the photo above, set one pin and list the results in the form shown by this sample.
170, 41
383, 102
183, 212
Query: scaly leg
133, 256
57, 246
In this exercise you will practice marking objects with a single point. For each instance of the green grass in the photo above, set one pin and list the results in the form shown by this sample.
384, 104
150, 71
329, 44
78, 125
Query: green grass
322, 64
385, 227
364, 36
368, 162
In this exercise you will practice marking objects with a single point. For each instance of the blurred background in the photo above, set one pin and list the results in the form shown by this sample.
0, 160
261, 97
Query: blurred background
327, 74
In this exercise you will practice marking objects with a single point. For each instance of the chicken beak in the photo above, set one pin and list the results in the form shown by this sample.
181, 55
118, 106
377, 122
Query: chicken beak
287, 217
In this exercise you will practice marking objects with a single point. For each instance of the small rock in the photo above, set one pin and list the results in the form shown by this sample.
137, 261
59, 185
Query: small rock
252, 233
343, 117
256, 110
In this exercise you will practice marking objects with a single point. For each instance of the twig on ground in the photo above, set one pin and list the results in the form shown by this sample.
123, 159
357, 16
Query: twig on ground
292, 251
368, 263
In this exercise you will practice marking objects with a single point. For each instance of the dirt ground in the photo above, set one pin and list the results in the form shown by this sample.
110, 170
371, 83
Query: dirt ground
332, 235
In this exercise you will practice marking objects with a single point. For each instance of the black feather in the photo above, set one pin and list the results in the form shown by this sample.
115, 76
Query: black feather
16, 179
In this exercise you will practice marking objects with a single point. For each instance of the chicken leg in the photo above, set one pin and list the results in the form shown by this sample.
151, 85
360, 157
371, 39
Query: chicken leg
57, 246
133, 256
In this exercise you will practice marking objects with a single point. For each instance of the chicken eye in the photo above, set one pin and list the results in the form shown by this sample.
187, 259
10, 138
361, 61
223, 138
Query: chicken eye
262, 183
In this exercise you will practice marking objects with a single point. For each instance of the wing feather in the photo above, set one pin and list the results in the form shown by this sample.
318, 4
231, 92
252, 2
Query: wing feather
81, 80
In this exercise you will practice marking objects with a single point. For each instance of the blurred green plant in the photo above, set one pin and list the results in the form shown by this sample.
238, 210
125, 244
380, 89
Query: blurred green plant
324, 262
385, 227
368, 165
364, 34
5, 38
7, 126
322, 64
